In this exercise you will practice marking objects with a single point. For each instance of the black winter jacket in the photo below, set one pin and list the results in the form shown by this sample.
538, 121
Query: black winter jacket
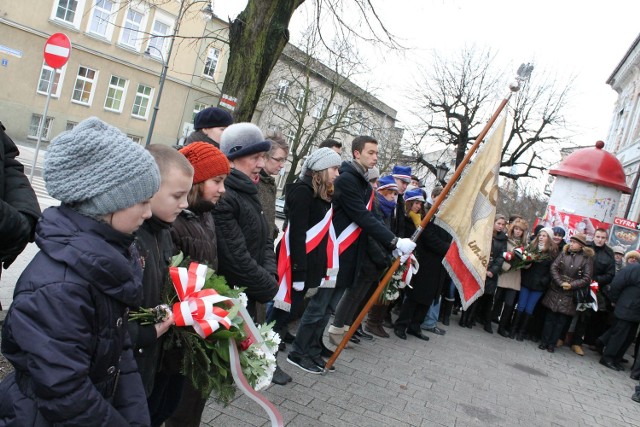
154, 245
352, 193
194, 234
199, 136
304, 212
66, 331
245, 248
538, 276
19, 209
498, 248
604, 265
625, 292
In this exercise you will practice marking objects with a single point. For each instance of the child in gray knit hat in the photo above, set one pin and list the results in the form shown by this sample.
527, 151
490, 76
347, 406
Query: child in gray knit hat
66, 330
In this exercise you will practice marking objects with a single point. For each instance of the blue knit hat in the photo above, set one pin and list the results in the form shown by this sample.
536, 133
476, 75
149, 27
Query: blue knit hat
387, 182
97, 170
243, 139
559, 231
212, 117
415, 194
403, 173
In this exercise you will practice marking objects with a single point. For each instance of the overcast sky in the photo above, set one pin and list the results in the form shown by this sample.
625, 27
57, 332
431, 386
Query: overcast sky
585, 39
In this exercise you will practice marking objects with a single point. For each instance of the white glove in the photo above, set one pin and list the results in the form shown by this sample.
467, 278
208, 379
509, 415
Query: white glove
406, 246
404, 258
298, 286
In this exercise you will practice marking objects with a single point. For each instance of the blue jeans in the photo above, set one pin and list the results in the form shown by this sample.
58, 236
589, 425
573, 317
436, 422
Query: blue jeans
314, 320
528, 300
431, 319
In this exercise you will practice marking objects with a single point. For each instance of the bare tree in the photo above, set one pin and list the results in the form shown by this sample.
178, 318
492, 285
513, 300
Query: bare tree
457, 97
525, 200
310, 100
260, 32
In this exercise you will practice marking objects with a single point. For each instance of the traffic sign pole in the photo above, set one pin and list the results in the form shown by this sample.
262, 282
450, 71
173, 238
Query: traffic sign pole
57, 50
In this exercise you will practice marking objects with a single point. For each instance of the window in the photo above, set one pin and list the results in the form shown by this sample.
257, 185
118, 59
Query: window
70, 125
199, 106
358, 123
141, 102
115, 94
68, 12
211, 62
131, 31
159, 37
281, 94
319, 107
335, 114
45, 80
85, 83
102, 18
35, 123
300, 102
135, 138
347, 119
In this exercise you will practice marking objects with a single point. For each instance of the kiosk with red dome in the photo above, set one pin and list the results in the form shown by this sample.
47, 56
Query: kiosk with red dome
586, 193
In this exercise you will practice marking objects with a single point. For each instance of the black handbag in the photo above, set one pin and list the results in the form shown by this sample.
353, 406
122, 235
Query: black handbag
582, 296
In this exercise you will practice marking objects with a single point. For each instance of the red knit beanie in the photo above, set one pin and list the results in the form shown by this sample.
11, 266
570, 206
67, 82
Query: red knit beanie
207, 161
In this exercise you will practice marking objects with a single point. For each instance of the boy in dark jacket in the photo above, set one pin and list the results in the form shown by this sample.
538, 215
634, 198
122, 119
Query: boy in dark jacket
156, 248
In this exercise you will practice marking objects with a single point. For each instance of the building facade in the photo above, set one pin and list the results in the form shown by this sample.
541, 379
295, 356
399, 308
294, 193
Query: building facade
624, 134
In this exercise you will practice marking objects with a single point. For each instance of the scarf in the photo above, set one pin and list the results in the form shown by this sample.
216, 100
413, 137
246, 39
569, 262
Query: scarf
386, 206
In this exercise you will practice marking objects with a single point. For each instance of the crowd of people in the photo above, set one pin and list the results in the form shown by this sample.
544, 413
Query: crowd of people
125, 211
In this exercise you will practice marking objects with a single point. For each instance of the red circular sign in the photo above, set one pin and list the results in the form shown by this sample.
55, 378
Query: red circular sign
57, 50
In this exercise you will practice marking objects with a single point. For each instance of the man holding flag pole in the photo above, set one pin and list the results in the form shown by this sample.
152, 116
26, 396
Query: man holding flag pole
468, 256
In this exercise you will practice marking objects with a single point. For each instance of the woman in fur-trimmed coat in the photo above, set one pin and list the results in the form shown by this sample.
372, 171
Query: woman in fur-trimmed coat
571, 270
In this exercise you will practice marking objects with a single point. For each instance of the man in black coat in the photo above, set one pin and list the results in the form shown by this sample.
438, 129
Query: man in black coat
19, 209
625, 294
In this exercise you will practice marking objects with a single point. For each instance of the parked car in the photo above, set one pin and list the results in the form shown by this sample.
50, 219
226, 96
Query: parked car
280, 207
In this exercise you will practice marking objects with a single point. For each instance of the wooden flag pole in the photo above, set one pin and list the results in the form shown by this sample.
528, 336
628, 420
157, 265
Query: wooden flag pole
396, 263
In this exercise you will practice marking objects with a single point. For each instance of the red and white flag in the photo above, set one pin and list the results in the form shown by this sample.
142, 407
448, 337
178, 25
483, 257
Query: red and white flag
468, 215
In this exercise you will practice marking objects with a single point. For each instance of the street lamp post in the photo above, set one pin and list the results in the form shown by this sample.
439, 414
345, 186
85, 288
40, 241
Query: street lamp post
163, 76
441, 172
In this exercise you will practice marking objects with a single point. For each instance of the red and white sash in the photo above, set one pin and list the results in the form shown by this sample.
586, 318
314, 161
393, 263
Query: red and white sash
337, 245
313, 238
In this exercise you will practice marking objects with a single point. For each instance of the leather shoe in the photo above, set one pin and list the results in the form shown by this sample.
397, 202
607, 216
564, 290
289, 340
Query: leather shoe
325, 352
362, 334
400, 334
608, 364
636, 396
619, 366
435, 330
634, 377
289, 338
417, 334
577, 350
280, 377
542, 346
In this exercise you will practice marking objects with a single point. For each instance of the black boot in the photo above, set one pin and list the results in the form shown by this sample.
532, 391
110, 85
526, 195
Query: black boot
505, 320
485, 315
517, 321
447, 307
523, 327
495, 313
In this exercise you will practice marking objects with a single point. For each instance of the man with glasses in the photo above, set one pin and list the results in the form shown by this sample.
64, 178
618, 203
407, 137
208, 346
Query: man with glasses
274, 161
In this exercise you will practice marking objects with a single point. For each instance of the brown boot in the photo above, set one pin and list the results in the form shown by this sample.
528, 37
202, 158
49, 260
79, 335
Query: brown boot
375, 319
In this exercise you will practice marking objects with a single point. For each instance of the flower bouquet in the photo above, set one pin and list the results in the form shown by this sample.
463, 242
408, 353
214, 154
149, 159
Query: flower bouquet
212, 325
400, 279
522, 257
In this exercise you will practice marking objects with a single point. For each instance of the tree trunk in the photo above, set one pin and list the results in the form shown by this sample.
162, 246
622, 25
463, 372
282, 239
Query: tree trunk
256, 40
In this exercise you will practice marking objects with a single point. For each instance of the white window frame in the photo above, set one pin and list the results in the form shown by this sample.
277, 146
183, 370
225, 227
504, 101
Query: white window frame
321, 104
143, 96
163, 41
137, 44
135, 138
57, 86
93, 82
283, 90
336, 109
197, 107
110, 21
210, 56
77, 17
70, 125
123, 89
300, 99
46, 130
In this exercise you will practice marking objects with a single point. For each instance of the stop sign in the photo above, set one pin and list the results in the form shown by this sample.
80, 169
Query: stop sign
57, 50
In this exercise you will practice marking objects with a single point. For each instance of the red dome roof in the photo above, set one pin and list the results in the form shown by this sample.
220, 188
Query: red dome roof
594, 165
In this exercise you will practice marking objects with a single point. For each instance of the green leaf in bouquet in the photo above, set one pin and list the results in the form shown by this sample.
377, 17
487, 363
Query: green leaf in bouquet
176, 260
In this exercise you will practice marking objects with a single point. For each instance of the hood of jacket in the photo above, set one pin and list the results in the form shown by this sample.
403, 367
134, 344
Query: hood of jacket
92, 250
350, 168
585, 249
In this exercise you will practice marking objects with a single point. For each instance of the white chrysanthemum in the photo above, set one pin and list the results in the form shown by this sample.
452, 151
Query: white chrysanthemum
243, 299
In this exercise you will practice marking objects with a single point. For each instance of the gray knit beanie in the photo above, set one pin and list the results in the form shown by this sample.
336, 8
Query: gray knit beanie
373, 173
321, 159
97, 170
243, 139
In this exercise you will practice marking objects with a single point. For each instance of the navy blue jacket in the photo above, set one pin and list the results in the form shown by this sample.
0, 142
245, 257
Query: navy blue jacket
625, 292
66, 332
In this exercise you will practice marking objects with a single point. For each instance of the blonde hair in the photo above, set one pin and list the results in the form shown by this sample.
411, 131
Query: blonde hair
321, 186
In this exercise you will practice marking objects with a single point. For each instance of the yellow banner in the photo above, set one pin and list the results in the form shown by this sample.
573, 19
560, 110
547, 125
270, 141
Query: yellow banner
468, 215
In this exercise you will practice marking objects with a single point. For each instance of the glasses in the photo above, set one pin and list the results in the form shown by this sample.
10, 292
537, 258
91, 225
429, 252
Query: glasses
280, 160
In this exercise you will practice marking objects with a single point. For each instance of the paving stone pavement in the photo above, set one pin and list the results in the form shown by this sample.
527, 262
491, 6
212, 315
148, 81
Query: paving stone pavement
465, 378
